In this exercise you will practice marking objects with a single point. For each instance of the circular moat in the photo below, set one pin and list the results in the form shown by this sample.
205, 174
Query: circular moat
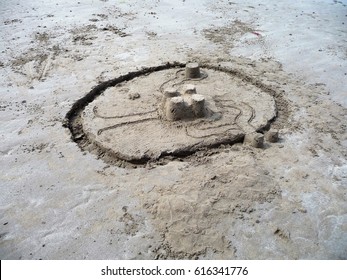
169, 111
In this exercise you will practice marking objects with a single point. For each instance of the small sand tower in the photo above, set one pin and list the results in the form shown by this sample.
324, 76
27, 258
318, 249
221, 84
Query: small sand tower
192, 70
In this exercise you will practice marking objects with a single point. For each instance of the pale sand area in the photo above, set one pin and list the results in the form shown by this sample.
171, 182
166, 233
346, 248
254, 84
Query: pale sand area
285, 201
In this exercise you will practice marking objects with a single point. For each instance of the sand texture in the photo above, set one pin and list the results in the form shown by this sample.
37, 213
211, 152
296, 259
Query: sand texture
84, 175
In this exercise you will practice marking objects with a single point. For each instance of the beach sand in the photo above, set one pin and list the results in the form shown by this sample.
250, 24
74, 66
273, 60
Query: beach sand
287, 200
